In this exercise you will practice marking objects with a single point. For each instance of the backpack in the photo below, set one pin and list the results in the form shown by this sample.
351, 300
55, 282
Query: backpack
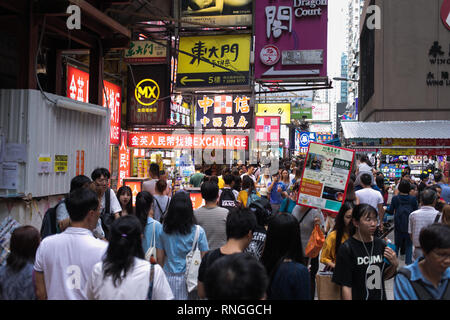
106, 216
419, 288
252, 197
163, 213
227, 199
401, 216
262, 209
48, 226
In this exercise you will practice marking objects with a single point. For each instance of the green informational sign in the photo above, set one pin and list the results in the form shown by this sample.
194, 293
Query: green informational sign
297, 112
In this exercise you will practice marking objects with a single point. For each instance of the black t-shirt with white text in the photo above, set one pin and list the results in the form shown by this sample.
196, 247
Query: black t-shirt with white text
355, 269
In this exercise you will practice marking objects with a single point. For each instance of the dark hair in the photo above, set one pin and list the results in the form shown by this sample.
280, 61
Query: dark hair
123, 190
78, 182
97, 173
339, 225
404, 186
23, 246
144, 202
125, 243
237, 276
366, 179
428, 196
161, 185
350, 195
248, 183
228, 179
360, 211
435, 236
282, 241
365, 158
180, 215
214, 179
198, 167
210, 191
80, 202
437, 176
379, 180
154, 169
239, 223
226, 170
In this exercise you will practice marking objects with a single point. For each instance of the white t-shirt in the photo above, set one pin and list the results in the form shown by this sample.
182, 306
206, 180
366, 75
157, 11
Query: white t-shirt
370, 196
67, 260
251, 176
150, 186
114, 203
133, 287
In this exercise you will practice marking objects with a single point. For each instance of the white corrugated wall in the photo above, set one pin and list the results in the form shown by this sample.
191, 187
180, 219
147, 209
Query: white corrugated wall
47, 129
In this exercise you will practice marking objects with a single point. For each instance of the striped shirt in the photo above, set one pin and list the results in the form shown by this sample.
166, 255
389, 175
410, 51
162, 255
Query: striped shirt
420, 219
213, 220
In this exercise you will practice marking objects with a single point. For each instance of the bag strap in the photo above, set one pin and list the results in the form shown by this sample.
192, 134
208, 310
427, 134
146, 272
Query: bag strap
194, 244
438, 216
107, 201
150, 288
420, 290
304, 215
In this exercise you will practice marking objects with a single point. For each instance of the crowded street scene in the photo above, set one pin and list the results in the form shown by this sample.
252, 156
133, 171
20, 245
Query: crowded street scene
224, 150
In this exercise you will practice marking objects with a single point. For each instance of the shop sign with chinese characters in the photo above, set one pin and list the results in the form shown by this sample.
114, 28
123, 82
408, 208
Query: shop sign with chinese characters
298, 28
78, 89
282, 110
124, 159
267, 129
157, 140
441, 59
229, 51
224, 111
146, 52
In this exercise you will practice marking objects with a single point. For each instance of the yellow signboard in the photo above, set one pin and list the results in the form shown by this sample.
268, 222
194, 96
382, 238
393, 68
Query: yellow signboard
399, 152
398, 142
282, 110
61, 162
229, 51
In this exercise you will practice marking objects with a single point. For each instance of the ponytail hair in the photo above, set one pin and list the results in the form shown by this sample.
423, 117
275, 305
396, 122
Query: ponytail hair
144, 202
125, 244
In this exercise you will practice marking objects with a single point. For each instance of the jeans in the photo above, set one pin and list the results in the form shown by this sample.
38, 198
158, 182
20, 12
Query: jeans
403, 239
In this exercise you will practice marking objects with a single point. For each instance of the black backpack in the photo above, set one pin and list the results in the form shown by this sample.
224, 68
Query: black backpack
262, 209
401, 215
227, 199
48, 226
106, 216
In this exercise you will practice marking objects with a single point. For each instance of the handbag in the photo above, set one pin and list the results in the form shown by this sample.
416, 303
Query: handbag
315, 243
327, 289
193, 260
150, 255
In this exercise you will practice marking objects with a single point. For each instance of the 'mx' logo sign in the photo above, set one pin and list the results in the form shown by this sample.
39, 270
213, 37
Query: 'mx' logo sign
147, 92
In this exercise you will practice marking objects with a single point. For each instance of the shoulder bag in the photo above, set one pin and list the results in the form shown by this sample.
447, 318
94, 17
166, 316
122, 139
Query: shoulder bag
193, 260
150, 255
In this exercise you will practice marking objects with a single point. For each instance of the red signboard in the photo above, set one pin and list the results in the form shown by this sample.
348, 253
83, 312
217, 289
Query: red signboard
445, 13
157, 140
124, 160
78, 89
135, 186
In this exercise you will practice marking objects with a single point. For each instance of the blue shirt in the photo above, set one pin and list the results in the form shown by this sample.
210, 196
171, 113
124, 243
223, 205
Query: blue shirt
290, 282
177, 246
275, 196
148, 233
445, 194
404, 291
287, 205
17, 285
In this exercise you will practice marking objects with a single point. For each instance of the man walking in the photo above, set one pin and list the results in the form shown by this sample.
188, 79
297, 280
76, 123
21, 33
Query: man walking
422, 218
370, 196
64, 261
445, 193
211, 217
150, 185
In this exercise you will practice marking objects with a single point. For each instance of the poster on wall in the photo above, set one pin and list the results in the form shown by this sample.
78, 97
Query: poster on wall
325, 177
217, 12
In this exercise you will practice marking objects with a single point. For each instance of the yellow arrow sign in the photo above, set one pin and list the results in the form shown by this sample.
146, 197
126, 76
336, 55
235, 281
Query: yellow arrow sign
186, 79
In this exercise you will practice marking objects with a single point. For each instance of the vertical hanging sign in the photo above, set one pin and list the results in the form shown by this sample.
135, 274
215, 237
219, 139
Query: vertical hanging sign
124, 159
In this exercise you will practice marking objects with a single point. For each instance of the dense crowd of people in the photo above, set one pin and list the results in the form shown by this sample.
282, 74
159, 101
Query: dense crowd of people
250, 235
